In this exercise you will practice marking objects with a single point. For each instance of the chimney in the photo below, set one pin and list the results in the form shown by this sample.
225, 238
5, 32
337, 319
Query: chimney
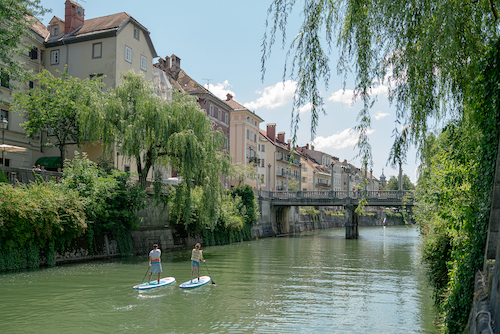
176, 66
307, 146
271, 131
281, 137
229, 97
73, 17
288, 143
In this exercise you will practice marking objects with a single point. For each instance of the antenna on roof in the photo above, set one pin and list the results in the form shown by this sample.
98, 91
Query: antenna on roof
208, 83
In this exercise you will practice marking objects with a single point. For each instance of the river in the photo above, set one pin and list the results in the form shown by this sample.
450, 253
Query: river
315, 282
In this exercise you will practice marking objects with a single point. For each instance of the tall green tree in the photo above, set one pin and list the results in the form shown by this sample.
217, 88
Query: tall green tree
16, 18
153, 132
393, 183
52, 107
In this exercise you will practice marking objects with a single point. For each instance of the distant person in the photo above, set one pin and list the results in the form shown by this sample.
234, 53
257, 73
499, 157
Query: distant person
43, 168
58, 177
38, 168
196, 256
34, 167
155, 262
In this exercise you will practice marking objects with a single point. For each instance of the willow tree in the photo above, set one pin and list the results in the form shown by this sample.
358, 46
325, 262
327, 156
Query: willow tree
52, 107
439, 59
426, 51
153, 132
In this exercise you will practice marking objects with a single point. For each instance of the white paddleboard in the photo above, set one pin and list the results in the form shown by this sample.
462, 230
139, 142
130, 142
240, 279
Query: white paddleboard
154, 283
195, 283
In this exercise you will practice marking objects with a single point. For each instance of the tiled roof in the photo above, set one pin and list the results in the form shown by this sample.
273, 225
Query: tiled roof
189, 84
39, 28
235, 105
103, 23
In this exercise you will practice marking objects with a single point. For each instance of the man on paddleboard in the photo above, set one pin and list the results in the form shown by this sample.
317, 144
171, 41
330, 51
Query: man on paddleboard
155, 262
196, 256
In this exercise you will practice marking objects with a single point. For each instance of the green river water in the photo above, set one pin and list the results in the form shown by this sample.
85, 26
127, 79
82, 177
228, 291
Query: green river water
313, 283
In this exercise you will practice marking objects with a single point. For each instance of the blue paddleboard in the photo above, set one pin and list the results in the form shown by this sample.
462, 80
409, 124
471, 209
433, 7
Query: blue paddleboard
195, 283
154, 284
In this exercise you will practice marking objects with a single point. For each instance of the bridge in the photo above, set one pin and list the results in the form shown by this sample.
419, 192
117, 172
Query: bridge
275, 205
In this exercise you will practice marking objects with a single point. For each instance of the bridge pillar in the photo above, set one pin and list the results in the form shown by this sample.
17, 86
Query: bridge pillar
351, 222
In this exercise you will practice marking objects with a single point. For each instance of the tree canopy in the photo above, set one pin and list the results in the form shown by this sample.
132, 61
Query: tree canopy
53, 106
153, 132
393, 183
427, 52
16, 18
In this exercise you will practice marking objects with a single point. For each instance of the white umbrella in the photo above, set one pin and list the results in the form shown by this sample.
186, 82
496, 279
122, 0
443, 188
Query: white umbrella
11, 148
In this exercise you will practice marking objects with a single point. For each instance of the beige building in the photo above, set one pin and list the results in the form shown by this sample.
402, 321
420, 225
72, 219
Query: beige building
243, 136
14, 134
283, 164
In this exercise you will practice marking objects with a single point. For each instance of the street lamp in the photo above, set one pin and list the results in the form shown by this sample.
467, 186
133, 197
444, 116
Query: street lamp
3, 124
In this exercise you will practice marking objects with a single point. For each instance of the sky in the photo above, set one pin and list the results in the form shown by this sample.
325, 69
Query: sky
219, 43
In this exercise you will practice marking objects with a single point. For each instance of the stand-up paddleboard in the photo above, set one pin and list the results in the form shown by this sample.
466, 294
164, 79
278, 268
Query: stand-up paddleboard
154, 284
195, 283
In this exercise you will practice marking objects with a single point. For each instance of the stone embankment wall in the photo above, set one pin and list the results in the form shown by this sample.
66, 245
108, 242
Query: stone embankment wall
298, 223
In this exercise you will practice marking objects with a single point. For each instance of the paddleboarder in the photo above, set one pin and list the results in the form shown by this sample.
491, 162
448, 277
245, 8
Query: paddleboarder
196, 256
155, 262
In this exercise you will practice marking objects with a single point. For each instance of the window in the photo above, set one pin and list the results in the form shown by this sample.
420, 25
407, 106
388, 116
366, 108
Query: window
34, 53
211, 110
128, 54
263, 147
97, 50
226, 144
32, 84
4, 78
227, 118
248, 134
263, 164
248, 152
4, 114
136, 33
54, 57
219, 115
144, 63
126, 168
255, 137
54, 31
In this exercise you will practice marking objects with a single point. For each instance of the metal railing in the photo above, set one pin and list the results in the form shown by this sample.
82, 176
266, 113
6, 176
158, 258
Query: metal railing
342, 194
26, 175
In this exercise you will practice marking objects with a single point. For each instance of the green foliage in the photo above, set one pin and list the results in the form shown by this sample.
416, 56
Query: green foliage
393, 183
16, 25
110, 199
236, 215
454, 194
153, 132
32, 218
241, 171
53, 105
3, 178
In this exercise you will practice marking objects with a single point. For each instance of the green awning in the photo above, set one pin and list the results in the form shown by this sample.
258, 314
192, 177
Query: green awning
49, 162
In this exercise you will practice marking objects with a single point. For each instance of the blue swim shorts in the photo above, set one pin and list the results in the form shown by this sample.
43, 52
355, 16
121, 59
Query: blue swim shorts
155, 267
194, 264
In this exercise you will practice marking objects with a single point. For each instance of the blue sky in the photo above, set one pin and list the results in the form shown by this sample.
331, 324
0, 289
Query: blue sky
219, 42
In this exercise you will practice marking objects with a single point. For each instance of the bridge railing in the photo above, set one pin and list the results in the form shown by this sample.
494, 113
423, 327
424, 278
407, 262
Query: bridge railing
17, 176
341, 194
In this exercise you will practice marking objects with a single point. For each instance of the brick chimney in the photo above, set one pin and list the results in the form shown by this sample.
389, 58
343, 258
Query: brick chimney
73, 17
176, 66
271, 131
281, 137
229, 97
307, 146
288, 143
164, 64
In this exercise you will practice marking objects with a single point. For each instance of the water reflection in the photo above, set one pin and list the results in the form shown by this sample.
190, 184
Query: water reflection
311, 283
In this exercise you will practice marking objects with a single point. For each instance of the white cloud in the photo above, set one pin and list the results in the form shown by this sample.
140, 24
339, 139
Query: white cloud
379, 115
343, 96
340, 140
346, 95
273, 97
220, 90
305, 108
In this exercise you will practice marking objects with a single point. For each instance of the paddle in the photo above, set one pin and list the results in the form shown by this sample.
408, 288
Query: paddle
213, 283
145, 275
